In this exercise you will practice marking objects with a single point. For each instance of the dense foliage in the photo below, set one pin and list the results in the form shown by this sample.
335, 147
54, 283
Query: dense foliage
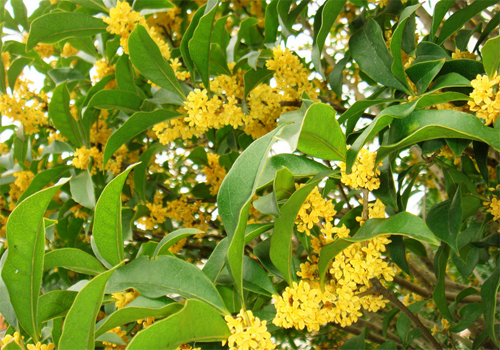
247, 174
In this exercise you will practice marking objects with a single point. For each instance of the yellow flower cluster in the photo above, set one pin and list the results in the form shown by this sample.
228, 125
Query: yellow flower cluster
168, 20
44, 50
253, 336
102, 69
25, 107
82, 158
306, 305
291, 76
363, 173
214, 173
99, 132
375, 211
79, 214
23, 180
303, 305
176, 65
146, 322
69, 50
463, 54
40, 346
124, 298
187, 347
494, 207
312, 210
486, 103
16, 338
112, 346
157, 213
122, 21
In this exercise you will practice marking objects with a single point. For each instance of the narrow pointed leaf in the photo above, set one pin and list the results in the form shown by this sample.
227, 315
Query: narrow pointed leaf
61, 116
44, 178
55, 304
172, 238
107, 231
146, 57
79, 325
489, 292
491, 58
23, 269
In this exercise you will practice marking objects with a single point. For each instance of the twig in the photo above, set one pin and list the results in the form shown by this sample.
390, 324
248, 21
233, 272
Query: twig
395, 301
366, 193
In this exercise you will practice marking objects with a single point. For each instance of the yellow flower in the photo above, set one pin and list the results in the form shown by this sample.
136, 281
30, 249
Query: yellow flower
16, 338
69, 50
44, 50
77, 210
82, 158
463, 54
313, 210
112, 346
486, 103
146, 322
494, 207
363, 173
214, 173
23, 179
253, 336
39, 346
124, 298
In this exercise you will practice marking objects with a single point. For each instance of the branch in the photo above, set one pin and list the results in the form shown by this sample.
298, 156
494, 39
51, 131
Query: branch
388, 294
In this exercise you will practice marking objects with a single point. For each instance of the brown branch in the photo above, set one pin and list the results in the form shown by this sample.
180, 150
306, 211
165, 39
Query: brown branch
388, 294
356, 331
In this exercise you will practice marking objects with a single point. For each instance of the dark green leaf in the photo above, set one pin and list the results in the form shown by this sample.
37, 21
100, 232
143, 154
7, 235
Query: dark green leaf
44, 178
253, 78
172, 238
491, 58
188, 35
56, 26
196, 322
137, 123
55, 304
125, 74
146, 57
336, 77
440, 10
489, 292
271, 22
255, 278
141, 170
423, 73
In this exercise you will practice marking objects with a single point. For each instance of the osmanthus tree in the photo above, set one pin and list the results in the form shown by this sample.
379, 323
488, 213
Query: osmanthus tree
145, 203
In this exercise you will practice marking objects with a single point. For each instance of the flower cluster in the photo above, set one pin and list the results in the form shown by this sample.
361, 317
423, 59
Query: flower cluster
306, 305
375, 211
214, 172
363, 173
40, 346
112, 346
463, 54
16, 338
312, 210
124, 298
253, 336
493, 207
82, 158
486, 103
122, 20
25, 106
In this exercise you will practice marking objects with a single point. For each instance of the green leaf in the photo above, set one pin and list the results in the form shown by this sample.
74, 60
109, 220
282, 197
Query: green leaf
235, 41
55, 304
255, 278
235, 196
298, 165
23, 269
6, 309
82, 189
188, 35
492, 24
423, 73
459, 18
254, 78
60, 75
403, 224
271, 22
388, 345
43, 178
56, 26
216, 261
125, 74
489, 292
309, 134
61, 116
397, 252
336, 77
368, 49
404, 323
92, 4
284, 184
491, 58
107, 230
360, 106
199, 44
16, 69
455, 217
137, 123
429, 125
139, 308
172, 238
355, 343
440, 10
57, 147
79, 325
141, 170
196, 322
254, 230
329, 13
387, 190
218, 61
281, 240
199, 156
146, 57
152, 5
439, 296
166, 275
127, 102
383, 119
389, 316
73, 259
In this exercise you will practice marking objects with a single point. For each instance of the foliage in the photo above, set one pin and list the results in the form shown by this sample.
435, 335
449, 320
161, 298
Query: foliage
146, 189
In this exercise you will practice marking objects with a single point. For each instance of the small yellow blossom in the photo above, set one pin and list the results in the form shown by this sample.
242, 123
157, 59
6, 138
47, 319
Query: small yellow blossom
82, 158
363, 173
124, 298
463, 54
44, 50
486, 102
312, 210
39, 346
69, 50
253, 336
79, 214
16, 338
494, 207
112, 346
214, 173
